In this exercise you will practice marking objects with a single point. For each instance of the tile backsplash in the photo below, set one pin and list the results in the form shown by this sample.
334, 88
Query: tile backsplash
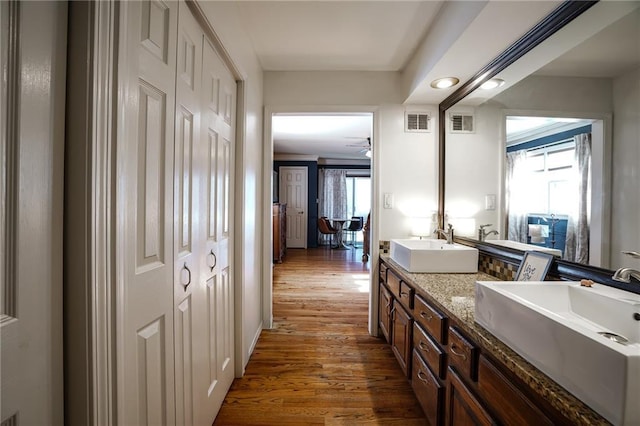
497, 268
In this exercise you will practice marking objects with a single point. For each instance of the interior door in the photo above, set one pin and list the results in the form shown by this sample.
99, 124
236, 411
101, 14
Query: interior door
294, 192
145, 215
218, 140
204, 327
189, 322
32, 104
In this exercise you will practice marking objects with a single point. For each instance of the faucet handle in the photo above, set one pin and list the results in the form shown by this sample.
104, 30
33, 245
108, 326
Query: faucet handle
484, 226
633, 254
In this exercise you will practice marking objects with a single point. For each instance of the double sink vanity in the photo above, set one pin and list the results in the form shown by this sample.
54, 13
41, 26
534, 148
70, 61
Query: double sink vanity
478, 350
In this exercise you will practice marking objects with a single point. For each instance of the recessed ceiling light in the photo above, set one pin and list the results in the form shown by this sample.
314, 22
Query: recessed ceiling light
492, 84
443, 83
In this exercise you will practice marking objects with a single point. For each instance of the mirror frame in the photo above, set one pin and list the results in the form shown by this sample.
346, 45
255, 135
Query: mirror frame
561, 16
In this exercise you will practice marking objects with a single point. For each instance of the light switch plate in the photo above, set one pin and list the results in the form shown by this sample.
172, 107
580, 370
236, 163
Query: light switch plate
387, 202
490, 202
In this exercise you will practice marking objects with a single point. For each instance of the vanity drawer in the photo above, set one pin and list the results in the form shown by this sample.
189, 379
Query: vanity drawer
430, 392
406, 294
393, 283
383, 272
430, 319
463, 354
430, 351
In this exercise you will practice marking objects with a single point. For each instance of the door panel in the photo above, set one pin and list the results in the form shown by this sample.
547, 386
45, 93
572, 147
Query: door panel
145, 385
218, 124
294, 192
32, 104
189, 250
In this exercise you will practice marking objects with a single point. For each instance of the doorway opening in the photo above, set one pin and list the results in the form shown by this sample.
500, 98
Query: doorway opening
342, 139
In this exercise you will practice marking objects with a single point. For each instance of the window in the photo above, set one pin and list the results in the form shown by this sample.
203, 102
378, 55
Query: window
550, 175
358, 198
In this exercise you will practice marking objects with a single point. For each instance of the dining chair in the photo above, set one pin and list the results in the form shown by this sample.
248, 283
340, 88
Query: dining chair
324, 226
355, 225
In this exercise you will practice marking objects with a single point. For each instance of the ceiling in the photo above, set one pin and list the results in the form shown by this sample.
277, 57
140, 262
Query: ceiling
336, 35
421, 39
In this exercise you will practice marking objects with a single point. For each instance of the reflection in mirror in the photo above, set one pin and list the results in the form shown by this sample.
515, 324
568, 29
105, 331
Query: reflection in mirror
551, 158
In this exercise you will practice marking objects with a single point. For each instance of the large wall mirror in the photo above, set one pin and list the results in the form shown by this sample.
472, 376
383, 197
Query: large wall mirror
550, 156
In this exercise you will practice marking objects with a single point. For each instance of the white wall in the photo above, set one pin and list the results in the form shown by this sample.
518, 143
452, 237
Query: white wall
407, 164
310, 88
625, 226
408, 170
473, 171
225, 20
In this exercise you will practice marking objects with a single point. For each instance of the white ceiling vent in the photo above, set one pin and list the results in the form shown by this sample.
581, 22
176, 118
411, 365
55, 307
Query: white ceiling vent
461, 122
417, 121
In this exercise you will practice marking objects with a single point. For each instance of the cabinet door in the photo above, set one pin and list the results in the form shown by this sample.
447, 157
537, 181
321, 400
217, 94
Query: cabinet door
428, 389
384, 311
464, 409
401, 336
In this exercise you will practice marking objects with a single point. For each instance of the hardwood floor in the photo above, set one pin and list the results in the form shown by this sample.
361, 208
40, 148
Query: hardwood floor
318, 365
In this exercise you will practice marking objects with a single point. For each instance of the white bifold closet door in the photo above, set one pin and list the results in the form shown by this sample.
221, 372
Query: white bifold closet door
179, 352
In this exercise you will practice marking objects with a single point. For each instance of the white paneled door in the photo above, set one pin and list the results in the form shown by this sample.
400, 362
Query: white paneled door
217, 143
32, 104
294, 192
179, 322
145, 380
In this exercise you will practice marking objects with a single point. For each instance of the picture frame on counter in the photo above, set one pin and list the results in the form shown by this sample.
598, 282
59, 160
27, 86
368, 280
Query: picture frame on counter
534, 266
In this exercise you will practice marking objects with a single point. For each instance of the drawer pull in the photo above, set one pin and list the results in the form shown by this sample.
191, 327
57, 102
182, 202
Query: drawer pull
404, 293
453, 351
423, 376
423, 347
426, 316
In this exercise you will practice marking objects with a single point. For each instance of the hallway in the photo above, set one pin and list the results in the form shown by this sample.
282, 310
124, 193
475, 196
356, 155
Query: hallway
319, 365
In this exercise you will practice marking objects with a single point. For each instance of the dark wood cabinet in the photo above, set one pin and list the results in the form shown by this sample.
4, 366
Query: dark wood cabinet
430, 351
428, 389
464, 409
508, 403
401, 327
279, 213
455, 380
384, 312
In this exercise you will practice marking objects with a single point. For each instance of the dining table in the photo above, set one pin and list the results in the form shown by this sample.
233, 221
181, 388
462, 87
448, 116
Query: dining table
338, 223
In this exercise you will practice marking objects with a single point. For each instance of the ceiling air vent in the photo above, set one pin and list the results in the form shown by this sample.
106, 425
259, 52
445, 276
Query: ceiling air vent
461, 122
417, 122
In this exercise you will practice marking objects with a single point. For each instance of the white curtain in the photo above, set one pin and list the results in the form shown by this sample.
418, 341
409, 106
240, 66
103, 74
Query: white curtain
577, 244
517, 196
333, 194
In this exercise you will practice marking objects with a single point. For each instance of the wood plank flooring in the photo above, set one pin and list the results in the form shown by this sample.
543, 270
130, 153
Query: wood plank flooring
318, 365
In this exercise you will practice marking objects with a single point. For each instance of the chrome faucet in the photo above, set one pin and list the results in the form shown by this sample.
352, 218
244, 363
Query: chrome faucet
624, 275
482, 234
448, 234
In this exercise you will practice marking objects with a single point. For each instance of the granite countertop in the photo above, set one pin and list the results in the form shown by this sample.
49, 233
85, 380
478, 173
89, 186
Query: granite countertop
455, 295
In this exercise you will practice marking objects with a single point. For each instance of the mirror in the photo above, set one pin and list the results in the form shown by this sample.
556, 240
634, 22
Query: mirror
510, 152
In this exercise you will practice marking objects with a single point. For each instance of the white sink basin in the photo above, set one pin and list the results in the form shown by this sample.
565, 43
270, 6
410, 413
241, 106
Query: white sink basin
435, 256
524, 247
560, 328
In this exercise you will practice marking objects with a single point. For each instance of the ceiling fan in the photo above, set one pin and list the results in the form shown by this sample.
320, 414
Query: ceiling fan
365, 144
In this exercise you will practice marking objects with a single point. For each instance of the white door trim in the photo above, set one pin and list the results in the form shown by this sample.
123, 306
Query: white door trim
267, 191
90, 248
